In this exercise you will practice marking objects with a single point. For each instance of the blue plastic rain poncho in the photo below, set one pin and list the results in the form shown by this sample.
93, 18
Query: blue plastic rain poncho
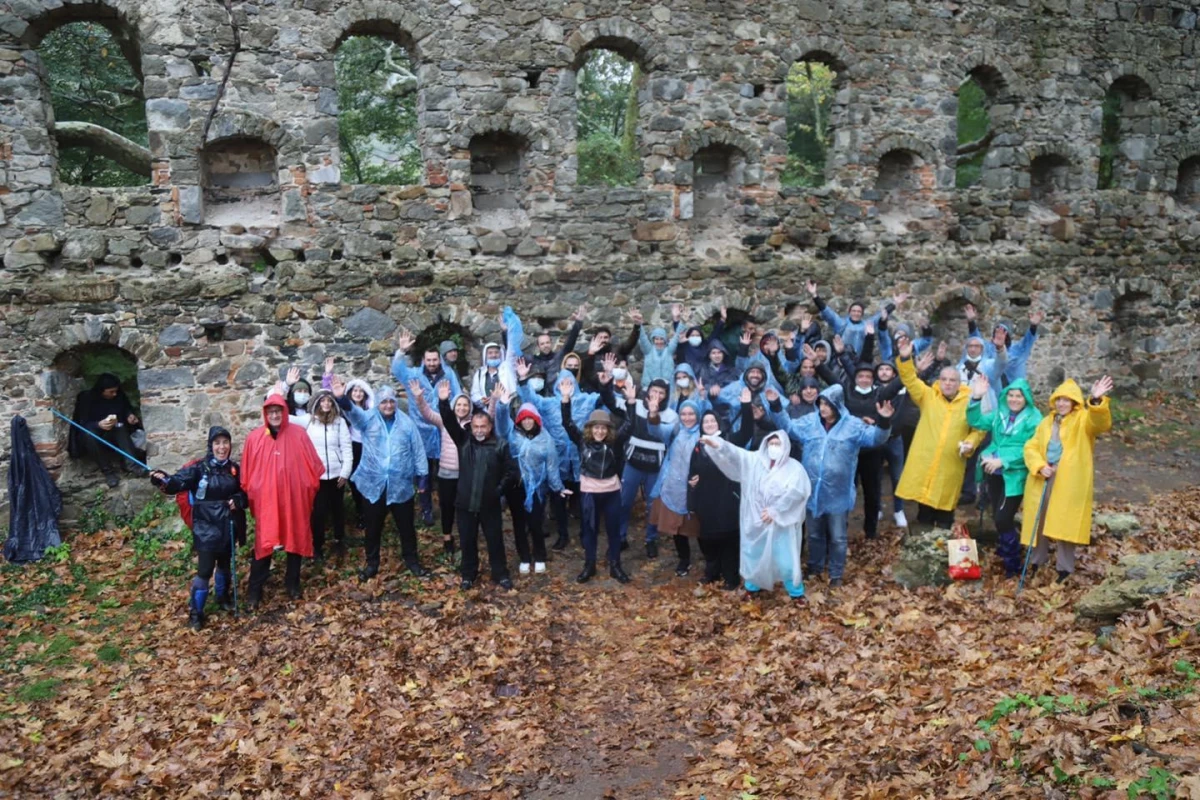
510, 351
729, 402
1018, 352
712, 374
537, 456
550, 410
853, 333
671, 484
679, 395
770, 551
393, 455
431, 435
657, 362
830, 457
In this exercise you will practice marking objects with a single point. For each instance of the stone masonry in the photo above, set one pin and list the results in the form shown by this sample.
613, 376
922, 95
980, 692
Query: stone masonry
247, 251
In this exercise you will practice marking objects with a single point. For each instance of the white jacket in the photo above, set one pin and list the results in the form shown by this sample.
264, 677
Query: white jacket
332, 442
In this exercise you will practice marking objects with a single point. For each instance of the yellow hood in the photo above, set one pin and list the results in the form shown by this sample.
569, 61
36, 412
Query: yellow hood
1068, 389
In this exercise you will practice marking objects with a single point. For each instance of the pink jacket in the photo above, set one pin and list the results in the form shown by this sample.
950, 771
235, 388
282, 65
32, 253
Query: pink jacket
448, 460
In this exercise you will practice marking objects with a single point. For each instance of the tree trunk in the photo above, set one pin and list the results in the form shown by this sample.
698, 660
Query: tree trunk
815, 96
129, 154
629, 134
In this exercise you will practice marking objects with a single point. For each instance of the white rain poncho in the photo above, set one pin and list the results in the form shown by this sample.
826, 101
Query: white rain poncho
770, 551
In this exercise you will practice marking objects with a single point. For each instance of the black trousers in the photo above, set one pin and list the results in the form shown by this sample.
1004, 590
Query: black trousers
328, 502
492, 523
562, 506
376, 515
928, 515
447, 494
683, 549
722, 558
870, 475
360, 502
530, 531
1004, 509
208, 563
104, 457
260, 570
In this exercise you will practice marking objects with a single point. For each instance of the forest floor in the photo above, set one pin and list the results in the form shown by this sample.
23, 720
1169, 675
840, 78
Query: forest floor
660, 689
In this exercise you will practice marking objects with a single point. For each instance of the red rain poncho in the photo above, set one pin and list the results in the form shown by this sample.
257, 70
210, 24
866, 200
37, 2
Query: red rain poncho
280, 475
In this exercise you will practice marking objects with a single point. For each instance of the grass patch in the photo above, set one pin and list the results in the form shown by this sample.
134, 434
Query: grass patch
39, 690
108, 653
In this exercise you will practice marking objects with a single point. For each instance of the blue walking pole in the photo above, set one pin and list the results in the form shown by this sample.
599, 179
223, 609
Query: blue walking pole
233, 565
99, 439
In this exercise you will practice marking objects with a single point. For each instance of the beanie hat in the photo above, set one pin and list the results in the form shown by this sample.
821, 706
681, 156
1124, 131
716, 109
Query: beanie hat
446, 347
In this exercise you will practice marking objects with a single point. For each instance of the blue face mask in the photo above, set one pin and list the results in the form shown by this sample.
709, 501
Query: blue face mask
537, 384
493, 362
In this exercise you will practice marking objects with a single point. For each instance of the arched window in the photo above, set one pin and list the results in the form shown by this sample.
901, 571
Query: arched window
1187, 184
1122, 146
975, 128
1049, 177
606, 103
811, 85
377, 106
899, 172
99, 108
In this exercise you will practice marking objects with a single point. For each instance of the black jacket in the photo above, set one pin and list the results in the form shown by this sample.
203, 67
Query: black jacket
553, 363
599, 460
211, 515
715, 500
486, 470
591, 364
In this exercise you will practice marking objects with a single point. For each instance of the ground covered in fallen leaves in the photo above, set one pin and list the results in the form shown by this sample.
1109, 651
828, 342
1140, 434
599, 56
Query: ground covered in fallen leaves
658, 689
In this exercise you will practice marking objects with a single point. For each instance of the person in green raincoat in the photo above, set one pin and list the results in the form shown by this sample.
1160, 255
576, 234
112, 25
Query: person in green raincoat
1011, 424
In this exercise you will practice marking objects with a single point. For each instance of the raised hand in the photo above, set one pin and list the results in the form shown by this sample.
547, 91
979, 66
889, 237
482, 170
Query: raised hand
579, 313
566, 387
898, 300
969, 310
714, 391
637, 317
885, 409
839, 346
905, 348
676, 311
443, 390
805, 321
609, 362
771, 395
293, 375
811, 286
724, 312
594, 346
746, 395
523, 368
328, 365
998, 337
979, 386
1036, 317
746, 336
338, 387
414, 389
870, 329
941, 351
809, 352
924, 361
652, 404
405, 340
630, 390
503, 394
1102, 387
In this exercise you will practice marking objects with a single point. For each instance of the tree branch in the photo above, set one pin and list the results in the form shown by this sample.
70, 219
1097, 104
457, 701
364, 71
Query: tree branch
977, 145
237, 47
129, 154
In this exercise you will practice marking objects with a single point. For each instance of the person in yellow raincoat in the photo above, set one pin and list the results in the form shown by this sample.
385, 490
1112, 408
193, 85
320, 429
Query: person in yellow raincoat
1059, 457
934, 468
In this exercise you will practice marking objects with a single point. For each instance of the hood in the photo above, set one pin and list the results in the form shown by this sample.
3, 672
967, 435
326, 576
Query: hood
787, 447
835, 395
758, 365
529, 411
312, 403
213, 433
470, 404
1068, 389
483, 353
564, 375
904, 328
719, 345
828, 348
695, 409
799, 383
884, 364
106, 381
659, 333
562, 365
1007, 328
1023, 385
276, 400
385, 393
366, 387
966, 356
446, 347
686, 369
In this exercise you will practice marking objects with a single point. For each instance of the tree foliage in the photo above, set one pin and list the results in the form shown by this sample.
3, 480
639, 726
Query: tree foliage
974, 122
810, 90
90, 81
1110, 137
606, 98
377, 119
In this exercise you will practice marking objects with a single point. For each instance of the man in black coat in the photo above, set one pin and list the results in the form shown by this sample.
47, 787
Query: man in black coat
106, 412
486, 472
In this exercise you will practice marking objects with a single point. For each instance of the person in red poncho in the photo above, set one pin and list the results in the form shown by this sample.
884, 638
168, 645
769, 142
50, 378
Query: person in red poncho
281, 472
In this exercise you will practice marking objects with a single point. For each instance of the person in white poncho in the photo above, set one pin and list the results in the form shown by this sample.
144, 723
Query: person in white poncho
775, 490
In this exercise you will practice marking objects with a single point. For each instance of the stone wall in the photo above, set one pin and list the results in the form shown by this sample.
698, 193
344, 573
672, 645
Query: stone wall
214, 282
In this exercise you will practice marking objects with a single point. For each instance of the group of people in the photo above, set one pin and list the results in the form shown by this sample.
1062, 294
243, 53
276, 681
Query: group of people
749, 443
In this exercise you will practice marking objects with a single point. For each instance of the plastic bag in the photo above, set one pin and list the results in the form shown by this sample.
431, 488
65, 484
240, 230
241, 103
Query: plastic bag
963, 555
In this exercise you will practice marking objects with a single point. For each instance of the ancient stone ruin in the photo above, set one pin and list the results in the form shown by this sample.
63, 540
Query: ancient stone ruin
246, 250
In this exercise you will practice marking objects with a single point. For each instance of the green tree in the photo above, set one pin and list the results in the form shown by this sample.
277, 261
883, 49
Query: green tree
606, 126
377, 117
810, 90
90, 81
1110, 137
974, 122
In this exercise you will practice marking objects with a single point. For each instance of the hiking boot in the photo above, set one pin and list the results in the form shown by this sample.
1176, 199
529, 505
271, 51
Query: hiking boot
1062, 576
366, 573
465, 584
112, 480
615, 571
506, 584
589, 572
560, 543
195, 619
416, 569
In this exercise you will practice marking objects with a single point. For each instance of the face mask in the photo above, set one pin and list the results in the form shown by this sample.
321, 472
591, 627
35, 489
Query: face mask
574, 371
775, 451
537, 384
620, 374
864, 389
301, 398
694, 341
683, 383
493, 362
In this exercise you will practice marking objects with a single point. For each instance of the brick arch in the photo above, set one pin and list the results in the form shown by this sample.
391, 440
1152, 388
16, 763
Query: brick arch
698, 140
623, 37
389, 20
1008, 83
820, 48
901, 141
231, 124
1136, 72
1027, 154
122, 17
1175, 158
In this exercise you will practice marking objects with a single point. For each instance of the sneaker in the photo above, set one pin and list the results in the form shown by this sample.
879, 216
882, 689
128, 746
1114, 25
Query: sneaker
524, 568
506, 584
539, 567
465, 584
901, 520
277, 548
427, 518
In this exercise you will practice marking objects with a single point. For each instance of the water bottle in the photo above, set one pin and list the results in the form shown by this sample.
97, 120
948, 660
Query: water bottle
203, 487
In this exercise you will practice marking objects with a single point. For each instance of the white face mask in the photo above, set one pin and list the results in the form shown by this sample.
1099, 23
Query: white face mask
775, 451
301, 398
864, 389
694, 341
682, 383
537, 384
620, 374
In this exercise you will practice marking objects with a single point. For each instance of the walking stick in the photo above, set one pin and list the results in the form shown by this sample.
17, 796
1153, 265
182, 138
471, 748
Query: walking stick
233, 565
99, 439
1038, 522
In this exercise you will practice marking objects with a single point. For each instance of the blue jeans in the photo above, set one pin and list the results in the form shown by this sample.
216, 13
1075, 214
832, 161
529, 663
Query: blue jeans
606, 506
893, 454
633, 479
827, 533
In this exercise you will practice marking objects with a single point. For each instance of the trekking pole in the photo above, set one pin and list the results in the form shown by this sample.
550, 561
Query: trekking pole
1038, 521
233, 565
99, 439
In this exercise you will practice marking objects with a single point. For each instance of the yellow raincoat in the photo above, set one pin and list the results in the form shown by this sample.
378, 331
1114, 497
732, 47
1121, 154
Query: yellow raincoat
1069, 510
933, 471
